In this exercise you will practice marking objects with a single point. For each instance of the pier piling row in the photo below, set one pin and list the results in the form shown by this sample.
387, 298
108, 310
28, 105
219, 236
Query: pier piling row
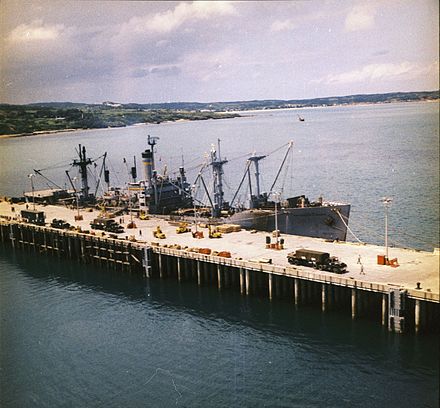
398, 309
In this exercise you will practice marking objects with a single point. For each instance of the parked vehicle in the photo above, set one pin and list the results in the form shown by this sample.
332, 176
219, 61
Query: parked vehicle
108, 225
33, 217
60, 224
316, 259
157, 233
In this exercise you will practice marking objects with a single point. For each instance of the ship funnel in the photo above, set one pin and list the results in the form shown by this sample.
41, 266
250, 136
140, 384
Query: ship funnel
148, 164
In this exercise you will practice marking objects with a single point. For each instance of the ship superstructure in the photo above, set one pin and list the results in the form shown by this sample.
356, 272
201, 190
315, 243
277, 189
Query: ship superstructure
266, 211
162, 194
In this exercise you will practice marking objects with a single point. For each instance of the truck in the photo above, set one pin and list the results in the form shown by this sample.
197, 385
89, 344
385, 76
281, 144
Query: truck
33, 217
316, 259
59, 224
107, 224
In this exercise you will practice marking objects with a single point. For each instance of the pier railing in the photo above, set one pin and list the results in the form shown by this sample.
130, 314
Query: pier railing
398, 308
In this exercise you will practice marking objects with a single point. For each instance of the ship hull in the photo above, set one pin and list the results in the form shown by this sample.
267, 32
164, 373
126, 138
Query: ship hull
318, 222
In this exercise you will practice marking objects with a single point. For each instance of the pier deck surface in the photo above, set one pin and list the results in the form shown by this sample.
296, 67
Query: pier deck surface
414, 266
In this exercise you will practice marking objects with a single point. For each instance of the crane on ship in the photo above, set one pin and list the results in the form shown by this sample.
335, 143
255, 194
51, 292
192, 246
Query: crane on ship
83, 163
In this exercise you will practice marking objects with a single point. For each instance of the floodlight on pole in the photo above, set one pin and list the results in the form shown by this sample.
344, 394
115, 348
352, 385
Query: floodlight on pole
31, 176
386, 201
276, 196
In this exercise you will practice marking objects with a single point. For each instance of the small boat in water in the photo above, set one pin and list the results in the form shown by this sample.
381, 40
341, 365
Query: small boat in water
300, 118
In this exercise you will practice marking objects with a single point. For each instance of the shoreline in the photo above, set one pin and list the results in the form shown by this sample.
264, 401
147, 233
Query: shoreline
239, 112
53, 132
334, 106
70, 130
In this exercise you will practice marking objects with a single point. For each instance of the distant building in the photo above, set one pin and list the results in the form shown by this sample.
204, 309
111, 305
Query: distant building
112, 104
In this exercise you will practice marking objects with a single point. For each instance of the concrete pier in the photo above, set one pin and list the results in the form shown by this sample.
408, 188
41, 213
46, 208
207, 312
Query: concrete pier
403, 299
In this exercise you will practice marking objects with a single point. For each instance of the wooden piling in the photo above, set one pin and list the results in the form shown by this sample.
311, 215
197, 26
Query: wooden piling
270, 282
199, 275
296, 291
353, 304
219, 277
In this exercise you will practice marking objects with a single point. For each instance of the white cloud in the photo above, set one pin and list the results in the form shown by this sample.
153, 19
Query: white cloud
360, 17
377, 72
170, 20
35, 31
282, 25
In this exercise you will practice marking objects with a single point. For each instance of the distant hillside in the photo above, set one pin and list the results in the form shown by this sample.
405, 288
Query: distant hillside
295, 103
59, 116
258, 104
40, 118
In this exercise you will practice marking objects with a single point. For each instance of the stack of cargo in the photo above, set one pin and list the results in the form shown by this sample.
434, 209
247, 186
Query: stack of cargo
227, 228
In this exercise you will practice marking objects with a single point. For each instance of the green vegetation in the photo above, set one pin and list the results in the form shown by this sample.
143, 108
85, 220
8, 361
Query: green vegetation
28, 119
58, 116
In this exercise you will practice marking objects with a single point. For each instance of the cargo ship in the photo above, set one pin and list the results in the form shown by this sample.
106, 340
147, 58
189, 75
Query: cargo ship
161, 194
266, 211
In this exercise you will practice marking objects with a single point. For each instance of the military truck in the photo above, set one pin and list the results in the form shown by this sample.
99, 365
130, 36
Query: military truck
60, 224
107, 224
317, 259
33, 217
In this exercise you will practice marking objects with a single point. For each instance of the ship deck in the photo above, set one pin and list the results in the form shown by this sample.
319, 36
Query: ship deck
414, 266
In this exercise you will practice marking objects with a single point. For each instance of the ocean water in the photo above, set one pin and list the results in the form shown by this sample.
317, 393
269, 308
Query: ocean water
76, 336
355, 154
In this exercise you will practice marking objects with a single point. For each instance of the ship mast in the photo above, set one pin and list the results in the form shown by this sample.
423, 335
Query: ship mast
217, 169
255, 160
82, 163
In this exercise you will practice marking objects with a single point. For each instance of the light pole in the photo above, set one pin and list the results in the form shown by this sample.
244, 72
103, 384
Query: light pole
31, 176
386, 201
276, 197
193, 189
131, 224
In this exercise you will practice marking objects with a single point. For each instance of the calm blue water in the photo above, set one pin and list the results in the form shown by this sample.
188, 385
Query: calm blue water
74, 336
355, 154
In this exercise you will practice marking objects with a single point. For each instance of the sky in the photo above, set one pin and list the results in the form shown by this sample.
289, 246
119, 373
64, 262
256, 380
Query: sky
154, 51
